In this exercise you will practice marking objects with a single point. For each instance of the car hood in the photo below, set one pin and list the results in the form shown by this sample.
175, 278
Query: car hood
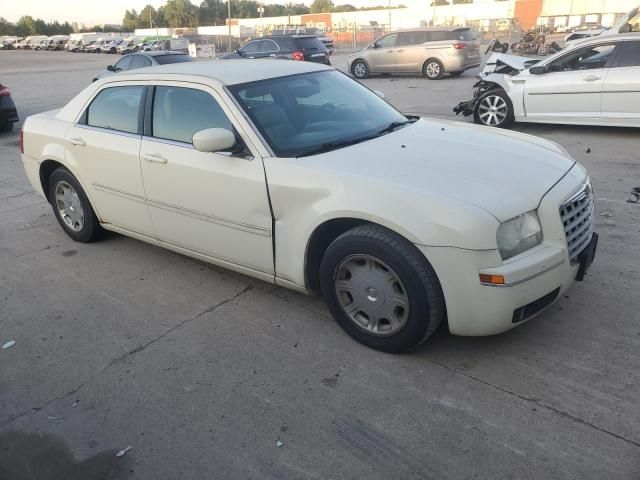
497, 60
502, 172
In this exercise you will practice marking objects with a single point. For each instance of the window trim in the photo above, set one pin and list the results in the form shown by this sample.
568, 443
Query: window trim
83, 119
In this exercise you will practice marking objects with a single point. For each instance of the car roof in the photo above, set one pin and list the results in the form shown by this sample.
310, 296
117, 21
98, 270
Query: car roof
289, 36
618, 37
227, 72
431, 29
156, 53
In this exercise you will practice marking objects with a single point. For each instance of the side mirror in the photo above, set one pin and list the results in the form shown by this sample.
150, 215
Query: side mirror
375, 45
213, 140
111, 68
538, 70
379, 93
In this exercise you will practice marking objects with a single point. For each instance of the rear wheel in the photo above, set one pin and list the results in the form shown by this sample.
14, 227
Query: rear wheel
360, 69
380, 289
494, 109
71, 207
433, 69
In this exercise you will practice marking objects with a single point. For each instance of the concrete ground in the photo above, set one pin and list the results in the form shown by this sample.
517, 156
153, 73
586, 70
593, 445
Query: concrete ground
209, 374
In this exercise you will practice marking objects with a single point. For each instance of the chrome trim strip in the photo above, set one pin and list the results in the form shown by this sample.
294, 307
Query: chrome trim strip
168, 142
524, 279
621, 91
109, 130
119, 193
565, 93
265, 232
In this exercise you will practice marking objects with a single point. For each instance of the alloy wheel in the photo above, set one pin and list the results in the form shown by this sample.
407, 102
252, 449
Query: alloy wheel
69, 206
433, 70
360, 70
372, 295
493, 110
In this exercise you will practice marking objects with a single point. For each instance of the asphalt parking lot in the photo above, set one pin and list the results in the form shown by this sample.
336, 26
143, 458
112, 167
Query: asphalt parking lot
209, 374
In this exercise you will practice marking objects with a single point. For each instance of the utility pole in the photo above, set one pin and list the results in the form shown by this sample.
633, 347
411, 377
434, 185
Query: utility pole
150, 25
389, 15
229, 22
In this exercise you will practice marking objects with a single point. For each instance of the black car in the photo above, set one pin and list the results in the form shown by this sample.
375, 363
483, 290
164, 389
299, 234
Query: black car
143, 59
293, 47
8, 111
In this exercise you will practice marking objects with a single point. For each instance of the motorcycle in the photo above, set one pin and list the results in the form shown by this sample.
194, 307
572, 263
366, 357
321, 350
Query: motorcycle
496, 46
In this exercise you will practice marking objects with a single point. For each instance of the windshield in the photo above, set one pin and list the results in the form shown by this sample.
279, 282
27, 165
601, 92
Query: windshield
300, 114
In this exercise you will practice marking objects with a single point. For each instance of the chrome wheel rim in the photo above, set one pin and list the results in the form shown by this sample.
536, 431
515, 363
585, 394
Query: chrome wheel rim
372, 295
360, 69
493, 110
433, 70
69, 206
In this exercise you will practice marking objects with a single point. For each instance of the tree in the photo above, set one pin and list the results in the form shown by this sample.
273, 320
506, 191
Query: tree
6, 27
180, 13
25, 26
212, 12
147, 18
347, 7
321, 6
130, 20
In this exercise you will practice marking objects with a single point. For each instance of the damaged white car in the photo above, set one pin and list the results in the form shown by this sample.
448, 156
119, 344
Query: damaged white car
594, 83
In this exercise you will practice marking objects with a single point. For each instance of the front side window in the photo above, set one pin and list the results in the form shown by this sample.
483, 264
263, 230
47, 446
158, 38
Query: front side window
251, 47
124, 64
180, 112
584, 59
299, 114
629, 54
270, 46
388, 41
117, 108
139, 61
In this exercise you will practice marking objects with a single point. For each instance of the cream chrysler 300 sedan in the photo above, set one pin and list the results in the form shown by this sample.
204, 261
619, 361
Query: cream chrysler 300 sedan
293, 173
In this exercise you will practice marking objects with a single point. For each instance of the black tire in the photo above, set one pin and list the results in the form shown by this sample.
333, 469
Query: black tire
91, 227
433, 69
489, 97
360, 69
456, 74
426, 307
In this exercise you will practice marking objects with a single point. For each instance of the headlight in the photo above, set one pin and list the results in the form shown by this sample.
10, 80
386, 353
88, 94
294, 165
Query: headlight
519, 234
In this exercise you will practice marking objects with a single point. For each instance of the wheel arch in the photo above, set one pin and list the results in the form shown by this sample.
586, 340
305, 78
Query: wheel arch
325, 233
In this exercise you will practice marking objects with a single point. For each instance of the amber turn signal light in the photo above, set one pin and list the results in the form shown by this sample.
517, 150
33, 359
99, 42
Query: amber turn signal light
491, 279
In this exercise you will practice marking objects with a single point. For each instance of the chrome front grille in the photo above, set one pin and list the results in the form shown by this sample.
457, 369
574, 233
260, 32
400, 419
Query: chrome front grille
577, 216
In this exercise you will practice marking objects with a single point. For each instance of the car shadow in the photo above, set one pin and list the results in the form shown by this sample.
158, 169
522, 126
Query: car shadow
40, 456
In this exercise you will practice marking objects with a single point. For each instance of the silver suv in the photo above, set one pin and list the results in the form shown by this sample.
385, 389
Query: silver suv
432, 51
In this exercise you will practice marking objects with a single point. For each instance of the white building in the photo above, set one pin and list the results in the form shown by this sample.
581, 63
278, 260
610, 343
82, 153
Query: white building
571, 13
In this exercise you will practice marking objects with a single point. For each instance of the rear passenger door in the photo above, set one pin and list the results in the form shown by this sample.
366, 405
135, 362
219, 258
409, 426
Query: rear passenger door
103, 146
215, 203
621, 93
410, 51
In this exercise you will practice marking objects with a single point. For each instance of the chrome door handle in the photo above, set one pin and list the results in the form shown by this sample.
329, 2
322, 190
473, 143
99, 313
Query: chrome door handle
591, 78
154, 158
77, 141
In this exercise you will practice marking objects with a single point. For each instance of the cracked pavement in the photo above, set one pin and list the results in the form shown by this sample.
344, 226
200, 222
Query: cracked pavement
201, 371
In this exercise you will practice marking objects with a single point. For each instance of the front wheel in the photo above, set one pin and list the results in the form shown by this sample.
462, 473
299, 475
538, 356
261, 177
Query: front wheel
494, 109
360, 69
433, 69
380, 289
71, 207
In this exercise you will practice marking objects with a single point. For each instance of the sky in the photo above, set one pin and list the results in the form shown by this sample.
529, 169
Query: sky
96, 12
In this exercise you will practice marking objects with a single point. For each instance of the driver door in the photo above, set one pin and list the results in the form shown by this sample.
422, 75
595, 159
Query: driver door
212, 203
572, 88
382, 54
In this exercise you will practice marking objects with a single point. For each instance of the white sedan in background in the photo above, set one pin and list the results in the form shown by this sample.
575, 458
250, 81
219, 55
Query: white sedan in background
295, 174
596, 82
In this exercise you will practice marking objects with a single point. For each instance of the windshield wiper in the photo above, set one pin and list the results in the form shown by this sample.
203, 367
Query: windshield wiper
327, 147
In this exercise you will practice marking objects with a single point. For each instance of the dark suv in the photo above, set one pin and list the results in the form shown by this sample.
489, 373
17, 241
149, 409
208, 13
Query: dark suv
294, 47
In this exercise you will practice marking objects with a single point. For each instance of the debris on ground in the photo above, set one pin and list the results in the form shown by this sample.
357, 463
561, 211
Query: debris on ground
634, 195
54, 418
279, 443
123, 452
75, 404
606, 214
588, 150
9, 344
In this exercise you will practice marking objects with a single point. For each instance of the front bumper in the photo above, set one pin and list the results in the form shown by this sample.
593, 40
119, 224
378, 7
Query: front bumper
534, 280
8, 111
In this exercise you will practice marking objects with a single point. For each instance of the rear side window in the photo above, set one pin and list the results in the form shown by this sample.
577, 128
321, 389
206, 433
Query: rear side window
164, 59
180, 112
412, 38
117, 108
463, 35
629, 54
309, 43
437, 36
